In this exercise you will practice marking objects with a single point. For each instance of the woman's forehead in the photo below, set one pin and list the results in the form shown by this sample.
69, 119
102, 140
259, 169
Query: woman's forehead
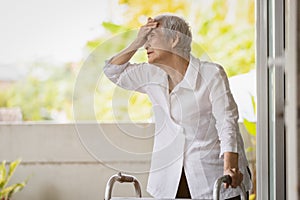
156, 31
160, 29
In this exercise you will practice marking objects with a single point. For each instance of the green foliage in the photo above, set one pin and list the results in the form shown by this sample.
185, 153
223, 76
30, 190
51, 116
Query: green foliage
250, 127
113, 28
4, 97
7, 191
138, 11
222, 32
37, 95
230, 43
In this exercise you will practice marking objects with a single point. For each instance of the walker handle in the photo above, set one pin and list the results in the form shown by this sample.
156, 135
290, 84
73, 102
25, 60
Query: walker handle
122, 178
227, 179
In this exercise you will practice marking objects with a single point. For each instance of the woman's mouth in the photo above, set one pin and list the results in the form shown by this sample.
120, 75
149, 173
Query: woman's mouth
149, 52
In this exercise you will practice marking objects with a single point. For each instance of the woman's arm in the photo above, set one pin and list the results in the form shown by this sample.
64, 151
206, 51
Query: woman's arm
225, 112
131, 76
231, 167
125, 55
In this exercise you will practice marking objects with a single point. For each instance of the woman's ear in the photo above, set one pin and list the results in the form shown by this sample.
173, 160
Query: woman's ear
175, 41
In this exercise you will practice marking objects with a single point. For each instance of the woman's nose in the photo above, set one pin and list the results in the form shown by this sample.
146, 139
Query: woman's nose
147, 44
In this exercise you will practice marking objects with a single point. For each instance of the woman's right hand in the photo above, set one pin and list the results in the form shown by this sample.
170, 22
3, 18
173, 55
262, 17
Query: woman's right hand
126, 54
144, 32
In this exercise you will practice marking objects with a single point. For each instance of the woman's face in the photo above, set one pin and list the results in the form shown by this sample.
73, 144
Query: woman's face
158, 47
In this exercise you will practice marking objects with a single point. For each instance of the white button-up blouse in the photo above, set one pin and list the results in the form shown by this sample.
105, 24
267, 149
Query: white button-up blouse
195, 124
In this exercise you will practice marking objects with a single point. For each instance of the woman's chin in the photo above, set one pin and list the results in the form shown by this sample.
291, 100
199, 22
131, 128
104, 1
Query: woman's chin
150, 61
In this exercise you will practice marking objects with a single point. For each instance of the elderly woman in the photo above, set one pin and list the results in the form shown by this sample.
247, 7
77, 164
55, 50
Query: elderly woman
196, 138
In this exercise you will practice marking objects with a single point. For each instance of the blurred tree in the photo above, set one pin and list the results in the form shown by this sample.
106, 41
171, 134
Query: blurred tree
223, 31
47, 89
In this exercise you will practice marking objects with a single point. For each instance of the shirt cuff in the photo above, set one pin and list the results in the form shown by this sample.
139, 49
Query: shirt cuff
112, 70
228, 148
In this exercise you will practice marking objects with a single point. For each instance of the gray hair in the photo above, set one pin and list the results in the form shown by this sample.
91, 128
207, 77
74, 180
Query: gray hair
174, 26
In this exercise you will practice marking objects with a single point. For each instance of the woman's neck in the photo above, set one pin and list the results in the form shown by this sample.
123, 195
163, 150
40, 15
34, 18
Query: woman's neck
175, 67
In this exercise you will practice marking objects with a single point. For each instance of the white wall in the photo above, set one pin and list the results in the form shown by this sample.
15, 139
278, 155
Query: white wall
74, 161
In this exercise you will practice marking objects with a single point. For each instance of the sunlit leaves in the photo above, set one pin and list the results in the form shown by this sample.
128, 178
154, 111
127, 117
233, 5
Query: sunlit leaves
136, 9
223, 32
7, 191
113, 28
39, 96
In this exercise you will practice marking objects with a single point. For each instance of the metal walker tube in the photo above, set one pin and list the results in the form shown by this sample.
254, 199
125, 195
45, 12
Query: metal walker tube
226, 179
122, 178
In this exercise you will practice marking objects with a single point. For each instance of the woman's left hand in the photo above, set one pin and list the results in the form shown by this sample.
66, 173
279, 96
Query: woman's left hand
236, 177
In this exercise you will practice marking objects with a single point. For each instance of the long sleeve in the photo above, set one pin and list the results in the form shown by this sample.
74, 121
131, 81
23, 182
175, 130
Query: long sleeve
130, 76
225, 111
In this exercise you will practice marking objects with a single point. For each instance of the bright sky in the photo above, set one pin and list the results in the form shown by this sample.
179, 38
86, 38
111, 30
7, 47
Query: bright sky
55, 30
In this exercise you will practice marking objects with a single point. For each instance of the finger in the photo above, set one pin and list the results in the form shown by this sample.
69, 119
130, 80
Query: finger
152, 23
226, 185
148, 28
234, 170
234, 184
238, 179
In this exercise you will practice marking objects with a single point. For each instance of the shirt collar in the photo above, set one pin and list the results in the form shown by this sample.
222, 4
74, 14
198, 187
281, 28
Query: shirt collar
191, 74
